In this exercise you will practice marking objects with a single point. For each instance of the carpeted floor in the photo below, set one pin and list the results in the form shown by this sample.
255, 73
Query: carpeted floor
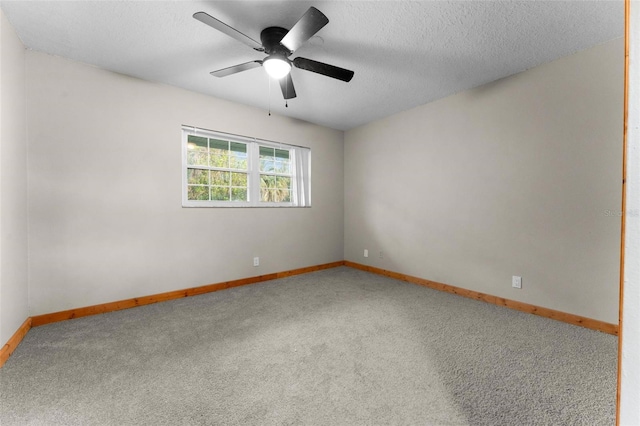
339, 346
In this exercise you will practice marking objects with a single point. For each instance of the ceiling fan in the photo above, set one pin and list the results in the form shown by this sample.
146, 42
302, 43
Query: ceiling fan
279, 43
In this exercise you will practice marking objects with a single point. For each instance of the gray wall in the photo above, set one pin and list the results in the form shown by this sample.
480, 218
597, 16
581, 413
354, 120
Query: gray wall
13, 184
518, 177
105, 215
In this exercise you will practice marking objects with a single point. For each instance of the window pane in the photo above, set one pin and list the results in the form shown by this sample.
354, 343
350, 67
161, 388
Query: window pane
275, 189
275, 195
281, 153
219, 178
197, 158
285, 196
239, 179
221, 161
218, 153
282, 191
267, 159
266, 152
220, 193
267, 166
267, 181
238, 161
217, 146
283, 166
283, 182
196, 143
238, 194
197, 192
197, 176
239, 147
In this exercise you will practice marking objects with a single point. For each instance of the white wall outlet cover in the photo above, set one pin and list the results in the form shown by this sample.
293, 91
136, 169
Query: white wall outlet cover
366, 253
516, 281
256, 261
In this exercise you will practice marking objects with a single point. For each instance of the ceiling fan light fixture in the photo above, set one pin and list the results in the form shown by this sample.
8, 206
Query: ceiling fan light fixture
277, 66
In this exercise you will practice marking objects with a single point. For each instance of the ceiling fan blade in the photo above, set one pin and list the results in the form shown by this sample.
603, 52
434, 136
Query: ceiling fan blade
286, 84
236, 68
324, 69
230, 31
304, 29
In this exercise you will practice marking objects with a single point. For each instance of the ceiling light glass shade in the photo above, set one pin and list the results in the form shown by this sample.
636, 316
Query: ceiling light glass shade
277, 66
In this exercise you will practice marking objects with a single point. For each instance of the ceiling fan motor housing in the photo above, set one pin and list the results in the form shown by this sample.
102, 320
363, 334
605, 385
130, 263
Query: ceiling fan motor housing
271, 37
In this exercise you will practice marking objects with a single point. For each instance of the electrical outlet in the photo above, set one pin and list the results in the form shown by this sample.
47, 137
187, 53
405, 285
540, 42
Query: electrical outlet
381, 256
516, 281
366, 253
256, 261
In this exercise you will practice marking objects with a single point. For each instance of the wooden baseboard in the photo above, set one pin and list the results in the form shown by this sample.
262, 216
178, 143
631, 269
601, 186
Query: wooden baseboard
163, 297
14, 341
38, 320
519, 306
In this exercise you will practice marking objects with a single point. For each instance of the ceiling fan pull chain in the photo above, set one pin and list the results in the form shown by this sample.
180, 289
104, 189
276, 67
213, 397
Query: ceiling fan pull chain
269, 78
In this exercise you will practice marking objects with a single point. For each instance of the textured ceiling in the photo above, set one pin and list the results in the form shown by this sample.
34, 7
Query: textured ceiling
403, 53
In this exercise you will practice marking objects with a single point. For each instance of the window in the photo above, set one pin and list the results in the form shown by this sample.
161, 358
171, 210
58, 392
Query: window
275, 175
223, 170
217, 170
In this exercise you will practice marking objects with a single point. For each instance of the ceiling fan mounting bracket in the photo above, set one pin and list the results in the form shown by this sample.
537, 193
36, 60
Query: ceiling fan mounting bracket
271, 37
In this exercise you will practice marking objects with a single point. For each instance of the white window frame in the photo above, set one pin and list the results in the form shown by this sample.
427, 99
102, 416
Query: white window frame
253, 160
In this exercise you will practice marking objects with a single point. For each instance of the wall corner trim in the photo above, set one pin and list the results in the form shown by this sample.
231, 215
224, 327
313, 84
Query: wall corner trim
14, 341
495, 300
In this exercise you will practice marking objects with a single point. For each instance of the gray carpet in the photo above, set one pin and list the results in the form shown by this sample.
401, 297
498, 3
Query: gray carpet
339, 346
